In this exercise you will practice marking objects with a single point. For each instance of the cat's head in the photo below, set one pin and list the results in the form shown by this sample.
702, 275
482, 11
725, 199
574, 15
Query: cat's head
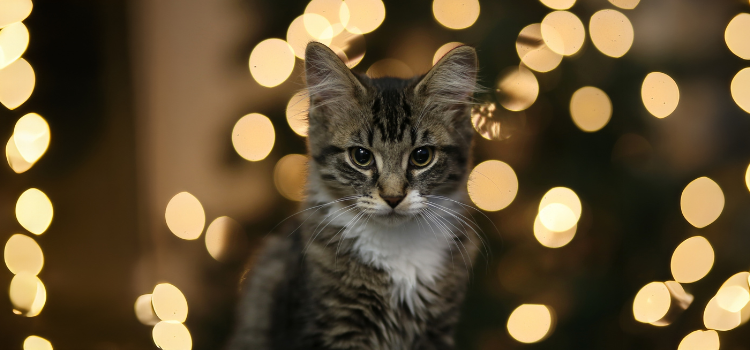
389, 143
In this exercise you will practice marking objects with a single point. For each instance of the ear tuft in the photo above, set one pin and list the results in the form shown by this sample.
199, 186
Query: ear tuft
329, 80
452, 81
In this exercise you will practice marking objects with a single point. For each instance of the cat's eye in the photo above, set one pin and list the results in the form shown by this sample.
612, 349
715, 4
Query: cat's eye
361, 156
421, 156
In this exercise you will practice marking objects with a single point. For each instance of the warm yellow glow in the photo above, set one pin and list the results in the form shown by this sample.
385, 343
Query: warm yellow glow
625, 4
590, 108
651, 303
389, 67
517, 88
533, 52
739, 279
350, 46
253, 137
34, 211
702, 202
298, 34
557, 217
12, 11
716, 317
364, 15
290, 175
33, 342
611, 32
185, 216
13, 42
172, 336
456, 14
15, 160
692, 260
700, 340
485, 118
552, 239
31, 136
225, 239
27, 294
740, 89
530, 323
23, 255
737, 35
558, 4
564, 196
169, 303
319, 28
563, 32
271, 62
334, 11
492, 185
444, 50
660, 94
16, 83
296, 113
144, 310
732, 298
747, 178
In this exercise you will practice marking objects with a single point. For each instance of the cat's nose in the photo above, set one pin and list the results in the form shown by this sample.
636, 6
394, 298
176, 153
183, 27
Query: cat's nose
393, 201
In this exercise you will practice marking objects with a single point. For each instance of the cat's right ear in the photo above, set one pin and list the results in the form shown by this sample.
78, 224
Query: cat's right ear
330, 83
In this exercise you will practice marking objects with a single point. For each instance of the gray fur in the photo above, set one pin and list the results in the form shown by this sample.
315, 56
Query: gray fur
352, 272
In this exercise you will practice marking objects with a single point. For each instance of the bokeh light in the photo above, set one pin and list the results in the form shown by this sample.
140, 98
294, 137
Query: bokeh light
185, 216
651, 303
747, 178
563, 32
660, 94
350, 46
27, 294
590, 108
290, 175
34, 211
364, 15
456, 14
493, 123
389, 67
625, 4
533, 52
530, 323
253, 137
33, 342
442, 50
144, 310
169, 303
336, 12
611, 32
31, 136
702, 202
23, 255
12, 11
226, 240
737, 35
492, 185
732, 298
17, 82
296, 113
740, 88
564, 196
14, 39
557, 217
271, 62
517, 88
558, 4
740, 280
298, 34
172, 336
15, 160
552, 239
700, 340
692, 260
718, 318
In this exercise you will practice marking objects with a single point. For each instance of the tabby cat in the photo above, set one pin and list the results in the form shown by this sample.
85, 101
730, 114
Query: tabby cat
381, 255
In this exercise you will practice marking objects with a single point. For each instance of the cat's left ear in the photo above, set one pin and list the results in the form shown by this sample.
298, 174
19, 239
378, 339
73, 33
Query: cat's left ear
329, 81
451, 83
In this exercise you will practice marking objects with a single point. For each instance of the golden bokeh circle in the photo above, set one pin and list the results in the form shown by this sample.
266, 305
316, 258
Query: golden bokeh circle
169, 303
226, 240
14, 39
15, 160
740, 89
456, 14
651, 303
185, 216
23, 255
34, 211
533, 52
552, 239
336, 12
492, 185
625, 4
31, 136
172, 336
364, 15
702, 202
557, 217
611, 32
296, 113
700, 340
563, 32
253, 137
17, 82
740, 280
444, 49
517, 88
33, 342
144, 310
389, 67
692, 260
564, 196
660, 94
271, 62
737, 35
290, 175
558, 4
717, 318
350, 46
306, 28
27, 294
530, 323
590, 108
747, 177
733, 298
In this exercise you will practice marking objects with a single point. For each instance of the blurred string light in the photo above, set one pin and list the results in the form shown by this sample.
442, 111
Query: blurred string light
350, 46
336, 12
611, 32
456, 14
271, 62
558, 4
702, 202
306, 28
27, 294
700, 340
34, 211
729, 308
144, 310
732, 298
590, 108
657, 303
740, 89
389, 67
517, 88
23, 255
14, 39
692, 260
30, 139
12, 11
296, 113
533, 52
493, 123
737, 35
33, 342
442, 50
559, 211
166, 309
720, 319
185, 216
226, 240
563, 32
625, 4
15, 160
492, 185
16, 83
172, 336
364, 15
660, 94
253, 137
169, 303
531, 323
289, 176
552, 239
747, 177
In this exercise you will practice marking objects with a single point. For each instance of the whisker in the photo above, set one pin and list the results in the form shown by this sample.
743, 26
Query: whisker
311, 214
448, 231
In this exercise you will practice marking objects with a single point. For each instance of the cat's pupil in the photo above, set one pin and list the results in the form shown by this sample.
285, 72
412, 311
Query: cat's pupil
361, 156
421, 156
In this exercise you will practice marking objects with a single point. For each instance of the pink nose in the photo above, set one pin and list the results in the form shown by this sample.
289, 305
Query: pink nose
393, 201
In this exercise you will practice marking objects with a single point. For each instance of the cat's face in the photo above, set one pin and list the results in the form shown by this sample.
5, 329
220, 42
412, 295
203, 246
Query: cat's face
388, 144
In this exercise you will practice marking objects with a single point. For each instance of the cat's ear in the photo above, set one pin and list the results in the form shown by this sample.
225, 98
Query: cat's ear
329, 80
451, 83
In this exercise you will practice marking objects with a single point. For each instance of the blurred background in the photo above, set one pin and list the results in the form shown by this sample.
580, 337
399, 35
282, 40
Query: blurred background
152, 144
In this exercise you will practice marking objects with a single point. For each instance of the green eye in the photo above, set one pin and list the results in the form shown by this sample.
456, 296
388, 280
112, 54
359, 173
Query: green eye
421, 156
361, 156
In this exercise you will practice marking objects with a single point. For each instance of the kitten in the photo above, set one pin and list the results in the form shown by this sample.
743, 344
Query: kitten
382, 257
